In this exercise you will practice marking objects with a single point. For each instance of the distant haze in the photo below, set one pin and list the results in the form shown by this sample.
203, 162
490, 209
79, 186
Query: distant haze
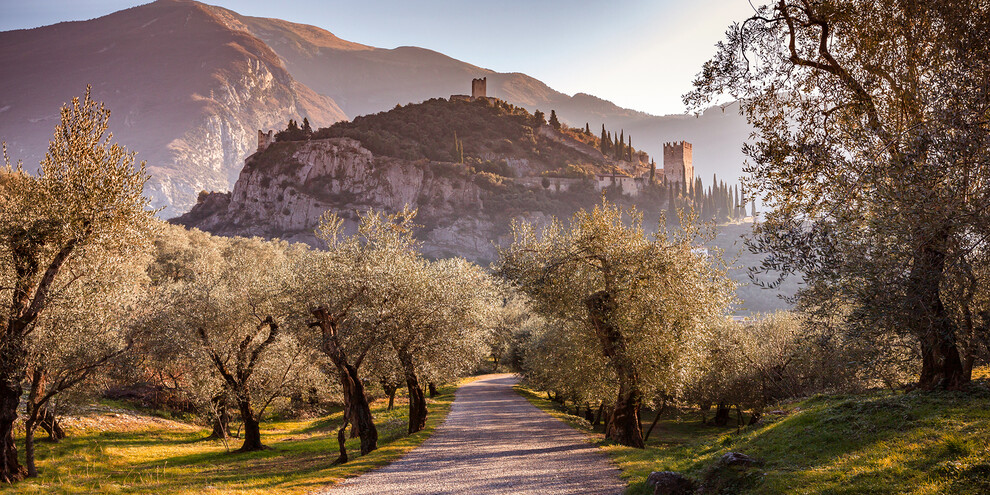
639, 54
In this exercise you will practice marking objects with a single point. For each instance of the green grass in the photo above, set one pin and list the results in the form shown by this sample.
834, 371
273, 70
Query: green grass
880, 443
163, 457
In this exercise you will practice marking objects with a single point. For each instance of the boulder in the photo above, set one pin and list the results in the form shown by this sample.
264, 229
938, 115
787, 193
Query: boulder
670, 483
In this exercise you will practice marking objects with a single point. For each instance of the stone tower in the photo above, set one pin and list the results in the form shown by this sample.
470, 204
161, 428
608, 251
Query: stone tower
479, 87
677, 166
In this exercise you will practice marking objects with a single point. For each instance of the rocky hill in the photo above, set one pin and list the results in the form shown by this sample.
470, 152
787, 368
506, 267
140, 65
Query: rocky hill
513, 168
365, 79
189, 84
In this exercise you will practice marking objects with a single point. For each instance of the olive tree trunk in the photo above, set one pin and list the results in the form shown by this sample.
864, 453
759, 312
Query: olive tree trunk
417, 399
252, 428
221, 417
10, 398
237, 380
941, 366
356, 408
623, 424
50, 424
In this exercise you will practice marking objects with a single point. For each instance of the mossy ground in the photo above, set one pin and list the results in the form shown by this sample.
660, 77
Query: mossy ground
879, 443
153, 458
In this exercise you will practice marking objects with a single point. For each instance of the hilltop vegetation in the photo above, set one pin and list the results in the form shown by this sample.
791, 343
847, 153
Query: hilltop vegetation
486, 132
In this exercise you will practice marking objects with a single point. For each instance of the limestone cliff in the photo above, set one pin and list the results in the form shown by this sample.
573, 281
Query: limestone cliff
282, 192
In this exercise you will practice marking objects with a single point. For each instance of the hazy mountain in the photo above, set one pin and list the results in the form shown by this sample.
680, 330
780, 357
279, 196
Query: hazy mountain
185, 90
189, 84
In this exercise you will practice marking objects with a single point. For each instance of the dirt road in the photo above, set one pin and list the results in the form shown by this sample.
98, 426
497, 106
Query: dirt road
494, 441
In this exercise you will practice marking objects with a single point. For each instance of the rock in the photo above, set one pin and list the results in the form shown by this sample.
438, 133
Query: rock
283, 190
670, 483
737, 459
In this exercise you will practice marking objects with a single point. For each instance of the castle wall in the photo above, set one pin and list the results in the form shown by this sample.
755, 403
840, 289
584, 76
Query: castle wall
629, 186
557, 184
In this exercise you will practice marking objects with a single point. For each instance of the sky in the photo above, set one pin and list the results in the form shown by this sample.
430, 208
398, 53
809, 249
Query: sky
640, 54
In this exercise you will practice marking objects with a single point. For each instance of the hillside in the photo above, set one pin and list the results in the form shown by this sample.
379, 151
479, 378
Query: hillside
512, 168
877, 442
754, 297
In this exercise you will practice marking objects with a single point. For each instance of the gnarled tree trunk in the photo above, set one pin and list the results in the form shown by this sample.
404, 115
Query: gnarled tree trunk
356, 407
417, 399
252, 428
623, 425
941, 366
390, 388
721, 415
50, 424
237, 380
10, 397
221, 417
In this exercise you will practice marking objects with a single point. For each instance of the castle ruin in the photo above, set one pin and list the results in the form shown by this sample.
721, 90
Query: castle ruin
265, 140
479, 88
677, 166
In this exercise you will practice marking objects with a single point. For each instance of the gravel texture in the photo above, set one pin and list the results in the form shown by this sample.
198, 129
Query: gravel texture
494, 441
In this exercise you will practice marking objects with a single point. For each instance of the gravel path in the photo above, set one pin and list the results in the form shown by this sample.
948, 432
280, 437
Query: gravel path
494, 441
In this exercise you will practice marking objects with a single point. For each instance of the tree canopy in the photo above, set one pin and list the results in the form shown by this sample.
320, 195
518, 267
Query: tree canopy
873, 153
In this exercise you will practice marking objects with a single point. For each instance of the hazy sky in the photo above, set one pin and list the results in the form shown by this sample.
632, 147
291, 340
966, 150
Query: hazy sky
640, 54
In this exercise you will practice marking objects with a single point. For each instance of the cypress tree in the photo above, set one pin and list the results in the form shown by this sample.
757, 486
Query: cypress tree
738, 203
553, 119
540, 118
671, 206
587, 129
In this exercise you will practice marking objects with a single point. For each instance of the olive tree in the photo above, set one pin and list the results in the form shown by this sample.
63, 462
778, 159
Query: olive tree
86, 199
640, 301
231, 308
873, 151
439, 327
87, 326
509, 315
348, 289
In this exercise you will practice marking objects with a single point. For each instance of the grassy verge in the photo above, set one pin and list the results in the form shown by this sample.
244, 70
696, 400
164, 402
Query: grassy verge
169, 457
880, 442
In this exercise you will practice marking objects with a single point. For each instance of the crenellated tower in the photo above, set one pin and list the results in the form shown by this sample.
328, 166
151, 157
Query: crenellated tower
677, 166
479, 87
